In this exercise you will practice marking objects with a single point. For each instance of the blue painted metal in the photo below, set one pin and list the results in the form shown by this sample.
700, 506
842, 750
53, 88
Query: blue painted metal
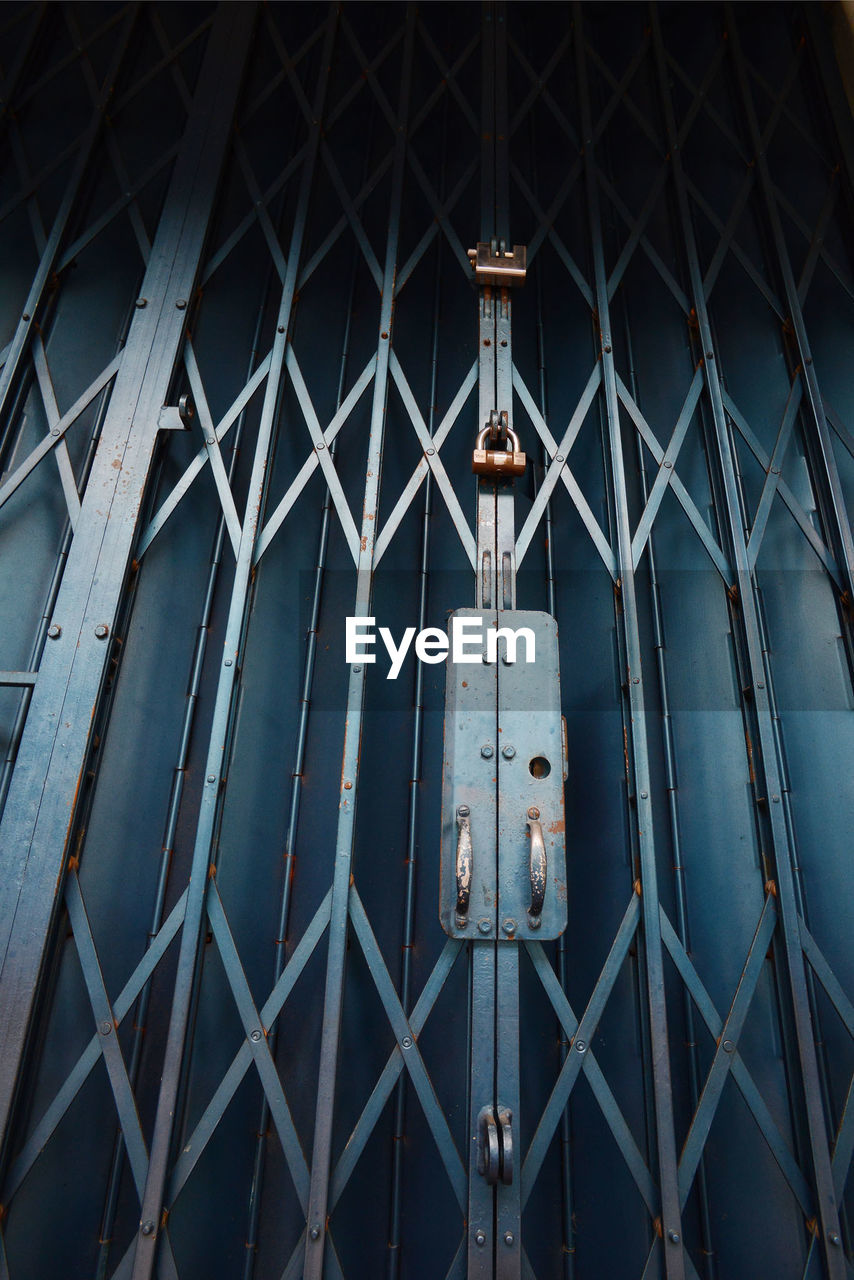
235, 1038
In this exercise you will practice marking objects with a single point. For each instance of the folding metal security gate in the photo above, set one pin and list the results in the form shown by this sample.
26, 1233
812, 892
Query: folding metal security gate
247, 360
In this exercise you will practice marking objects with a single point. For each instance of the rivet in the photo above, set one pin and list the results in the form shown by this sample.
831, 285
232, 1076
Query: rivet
319, 445
760, 685
479, 1239
147, 1228
54, 431
315, 1233
106, 1027
485, 926
26, 315
383, 335
508, 752
668, 465
281, 328
181, 304
636, 680
141, 303
504, 342
209, 439
728, 1046
54, 632
255, 1035
486, 342
833, 1237
430, 453
407, 1042
559, 457
509, 926
710, 355
102, 631
580, 1046
643, 795
228, 662
775, 799
673, 1237
486, 751
211, 777
357, 670
348, 786
508, 1237
608, 348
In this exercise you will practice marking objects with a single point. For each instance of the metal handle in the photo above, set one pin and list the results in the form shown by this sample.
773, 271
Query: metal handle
538, 868
464, 862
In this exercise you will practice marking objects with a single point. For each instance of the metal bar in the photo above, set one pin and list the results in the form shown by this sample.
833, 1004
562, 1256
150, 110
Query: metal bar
39, 809
415, 767
317, 1218
186, 975
674, 1264
783, 854
671, 782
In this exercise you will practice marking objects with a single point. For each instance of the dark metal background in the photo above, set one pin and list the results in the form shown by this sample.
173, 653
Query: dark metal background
269, 207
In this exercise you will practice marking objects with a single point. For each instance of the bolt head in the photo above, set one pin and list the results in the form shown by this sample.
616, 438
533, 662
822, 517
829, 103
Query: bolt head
181, 304
508, 1237
479, 1239
315, 1233
728, 1046
147, 1228
486, 751
509, 926
106, 1027
256, 1035
55, 631
508, 752
580, 1046
833, 1237
141, 303
673, 1237
102, 631
407, 1042
485, 926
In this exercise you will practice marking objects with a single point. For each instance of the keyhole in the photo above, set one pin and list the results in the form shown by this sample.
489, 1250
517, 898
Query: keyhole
539, 767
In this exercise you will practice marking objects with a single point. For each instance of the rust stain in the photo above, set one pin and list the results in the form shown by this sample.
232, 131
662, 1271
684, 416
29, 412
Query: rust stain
557, 828
750, 758
364, 542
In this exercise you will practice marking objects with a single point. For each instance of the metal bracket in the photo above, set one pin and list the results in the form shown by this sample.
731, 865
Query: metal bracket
492, 264
177, 417
495, 1145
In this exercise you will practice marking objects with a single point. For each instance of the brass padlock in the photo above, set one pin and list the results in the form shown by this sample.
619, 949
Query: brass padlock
496, 462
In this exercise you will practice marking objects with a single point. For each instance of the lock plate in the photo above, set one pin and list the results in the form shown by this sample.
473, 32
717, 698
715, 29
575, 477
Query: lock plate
503, 847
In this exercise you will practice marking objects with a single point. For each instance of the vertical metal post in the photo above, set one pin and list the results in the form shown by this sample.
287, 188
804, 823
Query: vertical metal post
671, 1229
39, 811
216, 764
317, 1223
770, 768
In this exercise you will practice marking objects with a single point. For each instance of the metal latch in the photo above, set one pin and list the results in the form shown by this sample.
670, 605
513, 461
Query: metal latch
494, 265
177, 417
507, 458
495, 1145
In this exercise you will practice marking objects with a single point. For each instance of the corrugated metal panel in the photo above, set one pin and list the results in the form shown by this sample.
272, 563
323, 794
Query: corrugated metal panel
235, 1039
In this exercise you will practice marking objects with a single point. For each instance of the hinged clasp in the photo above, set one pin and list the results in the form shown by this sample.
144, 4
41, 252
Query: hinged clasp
492, 264
495, 1145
